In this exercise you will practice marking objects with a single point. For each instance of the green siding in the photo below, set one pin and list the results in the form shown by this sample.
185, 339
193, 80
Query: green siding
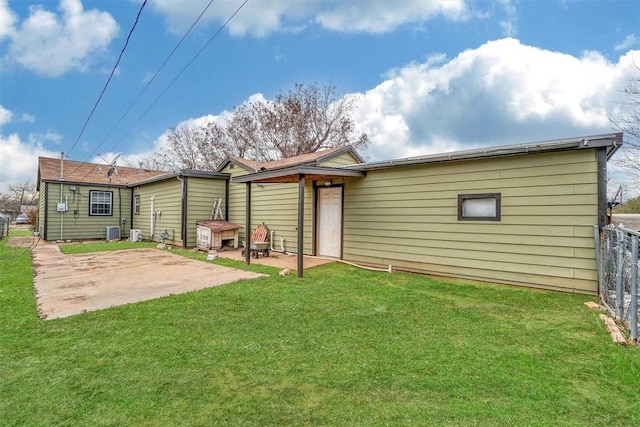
274, 204
167, 195
236, 198
168, 202
277, 206
407, 217
341, 160
42, 196
200, 196
76, 223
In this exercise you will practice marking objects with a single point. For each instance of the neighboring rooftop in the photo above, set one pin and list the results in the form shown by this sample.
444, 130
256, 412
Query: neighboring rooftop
91, 173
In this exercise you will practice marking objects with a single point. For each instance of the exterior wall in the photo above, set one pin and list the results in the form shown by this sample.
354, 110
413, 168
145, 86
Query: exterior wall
274, 204
167, 197
42, 197
341, 160
76, 223
237, 200
277, 206
407, 217
200, 195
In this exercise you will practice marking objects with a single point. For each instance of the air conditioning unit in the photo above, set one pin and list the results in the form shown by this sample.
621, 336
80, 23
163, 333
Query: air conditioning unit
135, 235
113, 233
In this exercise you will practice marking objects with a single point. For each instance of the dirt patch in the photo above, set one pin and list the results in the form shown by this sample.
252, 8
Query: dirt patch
22, 241
72, 284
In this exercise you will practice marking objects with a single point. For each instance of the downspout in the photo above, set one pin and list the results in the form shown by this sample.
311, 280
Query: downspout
61, 212
183, 225
226, 199
120, 222
601, 158
131, 207
46, 211
61, 191
153, 216
300, 263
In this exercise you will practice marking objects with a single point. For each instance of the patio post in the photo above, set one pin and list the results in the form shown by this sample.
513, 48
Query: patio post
301, 179
247, 241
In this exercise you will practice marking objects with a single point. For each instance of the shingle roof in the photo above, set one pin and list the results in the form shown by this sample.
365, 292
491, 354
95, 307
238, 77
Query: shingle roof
90, 173
292, 161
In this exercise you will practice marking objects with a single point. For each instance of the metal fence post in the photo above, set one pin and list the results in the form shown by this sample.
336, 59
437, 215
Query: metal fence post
634, 289
596, 237
620, 270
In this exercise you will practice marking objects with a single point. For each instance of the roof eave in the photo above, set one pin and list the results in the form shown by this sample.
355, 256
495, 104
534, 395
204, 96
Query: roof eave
611, 141
293, 173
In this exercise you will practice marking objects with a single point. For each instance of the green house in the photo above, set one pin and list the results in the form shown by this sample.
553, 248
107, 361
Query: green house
521, 214
166, 207
79, 200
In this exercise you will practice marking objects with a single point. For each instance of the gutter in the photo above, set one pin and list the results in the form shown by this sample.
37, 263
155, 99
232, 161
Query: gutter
611, 141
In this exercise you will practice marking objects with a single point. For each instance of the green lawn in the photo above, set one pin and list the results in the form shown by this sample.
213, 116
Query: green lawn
340, 347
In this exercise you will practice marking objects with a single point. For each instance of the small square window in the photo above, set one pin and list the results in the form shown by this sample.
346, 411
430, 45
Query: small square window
100, 202
479, 207
136, 204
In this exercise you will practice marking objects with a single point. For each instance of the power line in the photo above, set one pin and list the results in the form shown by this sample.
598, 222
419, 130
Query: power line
113, 70
152, 79
215, 35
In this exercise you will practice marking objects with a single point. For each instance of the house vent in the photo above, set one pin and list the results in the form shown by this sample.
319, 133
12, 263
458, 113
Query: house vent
113, 233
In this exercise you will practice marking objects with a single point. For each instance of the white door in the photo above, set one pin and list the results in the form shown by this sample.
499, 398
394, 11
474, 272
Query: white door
330, 221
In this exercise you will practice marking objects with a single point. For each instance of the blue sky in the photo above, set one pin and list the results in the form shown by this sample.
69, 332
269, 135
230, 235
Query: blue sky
429, 76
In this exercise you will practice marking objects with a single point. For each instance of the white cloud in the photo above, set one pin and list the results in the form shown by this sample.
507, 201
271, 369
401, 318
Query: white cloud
630, 41
5, 116
380, 16
502, 92
19, 159
509, 25
51, 45
7, 19
258, 18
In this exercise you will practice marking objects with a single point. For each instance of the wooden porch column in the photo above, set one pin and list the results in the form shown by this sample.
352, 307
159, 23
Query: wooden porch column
301, 180
247, 242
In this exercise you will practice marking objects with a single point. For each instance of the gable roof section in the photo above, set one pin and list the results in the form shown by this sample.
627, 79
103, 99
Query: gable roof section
611, 142
90, 173
303, 159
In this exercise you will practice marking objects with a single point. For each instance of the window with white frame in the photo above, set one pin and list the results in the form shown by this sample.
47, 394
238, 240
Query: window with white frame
136, 204
100, 202
479, 207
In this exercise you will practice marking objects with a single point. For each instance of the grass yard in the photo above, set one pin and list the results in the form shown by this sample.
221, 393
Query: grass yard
340, 347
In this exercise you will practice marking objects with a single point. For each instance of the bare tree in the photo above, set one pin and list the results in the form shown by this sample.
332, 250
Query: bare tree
24, 193
187, 148
305, 119
628, 121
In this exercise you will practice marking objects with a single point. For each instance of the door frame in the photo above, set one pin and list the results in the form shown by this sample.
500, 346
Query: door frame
315, 238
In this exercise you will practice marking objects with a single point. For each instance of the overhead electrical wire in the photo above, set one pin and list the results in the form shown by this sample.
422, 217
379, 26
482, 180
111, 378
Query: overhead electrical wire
113, 70
137, 98
213, 37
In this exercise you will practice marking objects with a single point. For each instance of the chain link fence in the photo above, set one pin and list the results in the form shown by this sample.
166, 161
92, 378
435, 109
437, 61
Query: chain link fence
618, 267
4, 227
